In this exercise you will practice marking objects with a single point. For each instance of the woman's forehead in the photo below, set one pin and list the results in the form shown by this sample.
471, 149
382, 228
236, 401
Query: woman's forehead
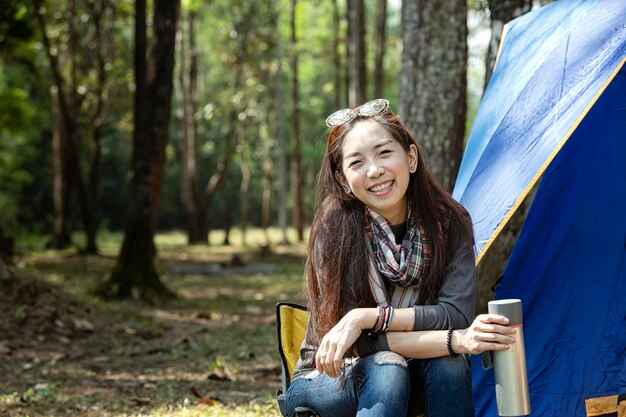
366, 134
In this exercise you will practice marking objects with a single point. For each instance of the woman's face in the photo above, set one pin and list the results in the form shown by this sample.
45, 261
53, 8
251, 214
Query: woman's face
376, 169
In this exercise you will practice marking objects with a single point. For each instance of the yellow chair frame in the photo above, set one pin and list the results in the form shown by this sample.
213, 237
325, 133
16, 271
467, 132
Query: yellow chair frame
291, 323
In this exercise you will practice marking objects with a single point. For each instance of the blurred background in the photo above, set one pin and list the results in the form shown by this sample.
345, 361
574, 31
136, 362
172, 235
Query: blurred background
252, 84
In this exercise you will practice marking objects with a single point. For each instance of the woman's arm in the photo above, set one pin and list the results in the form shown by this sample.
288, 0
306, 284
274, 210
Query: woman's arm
487, 332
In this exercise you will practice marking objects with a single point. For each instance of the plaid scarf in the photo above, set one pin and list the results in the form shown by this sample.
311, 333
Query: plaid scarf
402, 265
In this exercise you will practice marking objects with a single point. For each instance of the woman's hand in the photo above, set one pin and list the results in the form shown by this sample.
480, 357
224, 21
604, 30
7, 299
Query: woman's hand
329, 356
487, 332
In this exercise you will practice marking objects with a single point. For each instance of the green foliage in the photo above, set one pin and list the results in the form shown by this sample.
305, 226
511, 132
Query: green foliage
244, 70
15, 26
16, 110
18, 140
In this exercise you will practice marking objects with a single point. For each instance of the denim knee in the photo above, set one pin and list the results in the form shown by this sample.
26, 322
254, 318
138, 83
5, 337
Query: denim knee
386, 372
386, 366
384, 385
447, 370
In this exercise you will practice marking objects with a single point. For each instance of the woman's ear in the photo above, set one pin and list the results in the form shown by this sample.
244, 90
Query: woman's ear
412, 155
342, 181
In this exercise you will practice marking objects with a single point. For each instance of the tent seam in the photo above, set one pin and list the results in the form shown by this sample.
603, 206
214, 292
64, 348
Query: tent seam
545, 165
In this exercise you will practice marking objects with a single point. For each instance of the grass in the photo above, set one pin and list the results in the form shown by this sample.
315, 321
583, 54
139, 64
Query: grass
212, 352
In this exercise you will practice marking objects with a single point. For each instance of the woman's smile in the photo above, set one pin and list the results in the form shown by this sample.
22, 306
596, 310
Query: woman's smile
380, 187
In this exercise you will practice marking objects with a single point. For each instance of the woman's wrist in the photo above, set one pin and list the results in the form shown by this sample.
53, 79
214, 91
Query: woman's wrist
363, 318
456, 342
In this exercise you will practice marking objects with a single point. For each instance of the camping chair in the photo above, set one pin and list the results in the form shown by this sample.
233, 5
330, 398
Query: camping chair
291, 322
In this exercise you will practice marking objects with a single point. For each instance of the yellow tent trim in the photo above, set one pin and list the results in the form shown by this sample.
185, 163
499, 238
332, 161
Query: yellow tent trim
545, 165
505, 29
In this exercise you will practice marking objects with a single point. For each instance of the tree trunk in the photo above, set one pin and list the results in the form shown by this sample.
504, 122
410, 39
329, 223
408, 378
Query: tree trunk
188, 76
502, 11
135, 274
72, 175
60, 234
296, 171
268, 132
93, 195
186, 201
379, 67
226, 216
433, 80
141, 78
7, 250
72, 111
102, 37
245, 183
73, 169
356, 53
72, 95
266, 202
282, 158
220, 173
337, 56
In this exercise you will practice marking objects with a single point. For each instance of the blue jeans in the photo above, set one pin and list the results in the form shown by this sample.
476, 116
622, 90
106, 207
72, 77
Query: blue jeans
385, 384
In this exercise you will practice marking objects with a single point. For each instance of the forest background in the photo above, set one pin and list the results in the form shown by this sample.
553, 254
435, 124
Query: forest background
202, 124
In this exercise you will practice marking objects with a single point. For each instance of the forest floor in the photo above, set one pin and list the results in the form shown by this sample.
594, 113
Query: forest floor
211, 352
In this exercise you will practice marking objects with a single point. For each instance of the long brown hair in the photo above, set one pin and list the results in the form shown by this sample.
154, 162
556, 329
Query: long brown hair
337, 265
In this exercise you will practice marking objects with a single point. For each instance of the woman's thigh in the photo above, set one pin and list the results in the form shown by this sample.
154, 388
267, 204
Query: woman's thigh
327, 396
377, 385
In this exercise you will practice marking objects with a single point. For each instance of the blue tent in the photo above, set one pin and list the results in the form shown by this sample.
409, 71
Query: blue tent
555, 110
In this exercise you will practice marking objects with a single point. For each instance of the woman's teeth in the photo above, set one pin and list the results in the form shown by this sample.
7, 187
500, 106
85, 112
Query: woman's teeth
381, 187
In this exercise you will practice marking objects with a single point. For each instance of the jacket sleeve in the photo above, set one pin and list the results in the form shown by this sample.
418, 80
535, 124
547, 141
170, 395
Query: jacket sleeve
456, 302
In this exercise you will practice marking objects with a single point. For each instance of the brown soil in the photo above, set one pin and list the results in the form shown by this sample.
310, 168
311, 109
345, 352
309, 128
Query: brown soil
58, 356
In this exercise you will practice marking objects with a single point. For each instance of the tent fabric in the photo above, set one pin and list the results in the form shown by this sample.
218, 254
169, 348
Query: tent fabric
553, 64
569, 269
555, 109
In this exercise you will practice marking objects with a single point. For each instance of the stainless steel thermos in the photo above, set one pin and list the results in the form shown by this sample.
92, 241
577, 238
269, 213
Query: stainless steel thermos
510, 365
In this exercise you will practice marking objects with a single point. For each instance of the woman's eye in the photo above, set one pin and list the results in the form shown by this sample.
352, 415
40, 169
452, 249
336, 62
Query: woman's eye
385, 152
354, 164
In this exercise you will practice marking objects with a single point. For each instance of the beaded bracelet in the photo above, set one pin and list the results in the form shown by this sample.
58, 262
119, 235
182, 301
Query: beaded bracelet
449, 344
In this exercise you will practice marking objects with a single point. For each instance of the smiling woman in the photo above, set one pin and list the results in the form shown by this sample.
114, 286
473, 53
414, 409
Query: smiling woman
390, 276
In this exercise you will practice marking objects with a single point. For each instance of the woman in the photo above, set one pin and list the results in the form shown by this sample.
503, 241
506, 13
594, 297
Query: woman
390, 277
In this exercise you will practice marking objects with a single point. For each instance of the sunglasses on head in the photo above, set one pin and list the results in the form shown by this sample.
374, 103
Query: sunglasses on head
368, 109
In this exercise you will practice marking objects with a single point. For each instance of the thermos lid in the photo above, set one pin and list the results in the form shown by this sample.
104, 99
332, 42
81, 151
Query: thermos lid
510, 308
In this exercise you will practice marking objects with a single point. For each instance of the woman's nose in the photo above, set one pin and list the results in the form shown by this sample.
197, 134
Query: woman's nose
375, 170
